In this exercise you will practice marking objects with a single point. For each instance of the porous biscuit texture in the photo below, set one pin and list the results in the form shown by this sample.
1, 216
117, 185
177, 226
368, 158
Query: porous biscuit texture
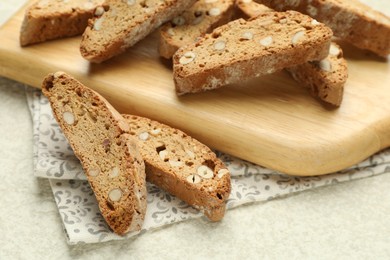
99, 137
121, 24
182, 166
47, 20
351, 21
241, 50
325, 78
201, 18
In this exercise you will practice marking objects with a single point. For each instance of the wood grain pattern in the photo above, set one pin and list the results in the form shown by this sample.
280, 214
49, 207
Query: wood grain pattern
271, 121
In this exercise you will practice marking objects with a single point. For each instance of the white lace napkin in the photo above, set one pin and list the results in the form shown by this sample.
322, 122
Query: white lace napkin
82, 221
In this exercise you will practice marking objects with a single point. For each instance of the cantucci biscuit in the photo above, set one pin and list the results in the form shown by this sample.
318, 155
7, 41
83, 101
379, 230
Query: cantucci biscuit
182, 166
325, 78
243, 49
101, 139
121, 24
351, 21
47, 20
201, 18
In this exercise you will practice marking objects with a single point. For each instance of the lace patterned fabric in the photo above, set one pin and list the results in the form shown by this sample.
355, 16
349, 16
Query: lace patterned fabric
82, 221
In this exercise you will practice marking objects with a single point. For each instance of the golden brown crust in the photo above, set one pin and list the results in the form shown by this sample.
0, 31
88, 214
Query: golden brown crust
99, 137
182, 166
251, 9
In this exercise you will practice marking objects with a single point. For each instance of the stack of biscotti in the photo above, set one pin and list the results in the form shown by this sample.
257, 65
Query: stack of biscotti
326, 78
48, 20
201, 18
122, 24
241, 50
114, 150
351, 21
182, 166
101, 139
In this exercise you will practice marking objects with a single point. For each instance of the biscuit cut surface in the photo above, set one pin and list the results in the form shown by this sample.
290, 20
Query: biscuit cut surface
201, 18
182, 166
47, 20
243, 49
350, 20
121, 24
325, 78
100, 139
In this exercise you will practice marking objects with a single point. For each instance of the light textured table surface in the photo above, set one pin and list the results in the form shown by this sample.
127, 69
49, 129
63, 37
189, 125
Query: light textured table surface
348, 220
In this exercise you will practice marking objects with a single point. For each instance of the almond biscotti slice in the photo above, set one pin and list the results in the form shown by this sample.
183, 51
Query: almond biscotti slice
325, 78
182, 166
201, 18
121, 24
251, 9
243, 49
48, 20
351, 21
101, 139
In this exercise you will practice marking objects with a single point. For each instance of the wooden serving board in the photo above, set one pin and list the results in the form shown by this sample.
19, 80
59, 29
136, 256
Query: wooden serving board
271, 121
